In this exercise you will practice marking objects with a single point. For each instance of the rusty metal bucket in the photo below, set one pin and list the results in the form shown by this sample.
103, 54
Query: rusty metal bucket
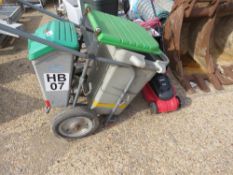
198, 38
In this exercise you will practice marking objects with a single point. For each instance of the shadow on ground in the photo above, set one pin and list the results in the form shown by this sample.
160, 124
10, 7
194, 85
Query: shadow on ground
10, 71
14, 104
30, 24
139, 104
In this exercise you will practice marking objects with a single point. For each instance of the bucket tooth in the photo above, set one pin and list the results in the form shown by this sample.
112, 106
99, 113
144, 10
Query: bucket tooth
226, 77
185, 82
215, 81
201, 82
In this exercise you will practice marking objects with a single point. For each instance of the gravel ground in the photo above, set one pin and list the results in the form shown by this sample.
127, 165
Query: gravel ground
198, 139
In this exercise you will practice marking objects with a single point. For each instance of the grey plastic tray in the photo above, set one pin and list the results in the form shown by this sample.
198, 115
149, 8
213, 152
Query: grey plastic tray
10, 13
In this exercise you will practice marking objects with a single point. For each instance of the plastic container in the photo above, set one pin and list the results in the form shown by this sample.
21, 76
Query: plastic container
113, 87
74, 11
54, 68
112, 80
107, 6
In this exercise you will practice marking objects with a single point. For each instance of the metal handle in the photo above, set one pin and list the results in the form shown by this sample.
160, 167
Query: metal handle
59, 47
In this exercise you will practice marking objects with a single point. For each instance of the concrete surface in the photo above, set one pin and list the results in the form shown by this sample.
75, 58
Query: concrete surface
198, 139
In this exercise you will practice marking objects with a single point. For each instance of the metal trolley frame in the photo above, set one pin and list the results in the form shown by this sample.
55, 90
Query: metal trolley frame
64, 124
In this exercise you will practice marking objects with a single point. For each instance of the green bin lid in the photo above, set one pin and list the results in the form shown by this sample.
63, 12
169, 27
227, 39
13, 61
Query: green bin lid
122, 33
58, 32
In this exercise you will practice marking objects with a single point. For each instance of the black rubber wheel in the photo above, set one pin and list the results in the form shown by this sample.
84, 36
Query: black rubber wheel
153, 108
180, 104
75, 123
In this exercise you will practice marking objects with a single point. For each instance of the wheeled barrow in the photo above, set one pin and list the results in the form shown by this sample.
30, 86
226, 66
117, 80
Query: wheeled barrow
114, 72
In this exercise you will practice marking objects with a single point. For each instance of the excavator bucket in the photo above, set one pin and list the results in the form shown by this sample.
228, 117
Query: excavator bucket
198, 38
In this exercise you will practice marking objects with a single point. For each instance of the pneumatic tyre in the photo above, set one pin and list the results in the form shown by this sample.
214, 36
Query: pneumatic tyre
75, 123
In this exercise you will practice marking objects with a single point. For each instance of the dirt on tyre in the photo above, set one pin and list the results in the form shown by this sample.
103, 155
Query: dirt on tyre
75, 123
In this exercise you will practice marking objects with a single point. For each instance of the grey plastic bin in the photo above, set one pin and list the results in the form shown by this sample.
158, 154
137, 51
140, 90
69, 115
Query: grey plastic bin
54, 72
53, 67
109, 82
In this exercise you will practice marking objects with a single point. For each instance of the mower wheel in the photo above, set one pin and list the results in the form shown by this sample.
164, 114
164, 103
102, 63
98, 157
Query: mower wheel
153, 108
180, 104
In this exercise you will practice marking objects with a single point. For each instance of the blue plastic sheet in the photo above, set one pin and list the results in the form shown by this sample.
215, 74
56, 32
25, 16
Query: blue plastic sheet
144, 9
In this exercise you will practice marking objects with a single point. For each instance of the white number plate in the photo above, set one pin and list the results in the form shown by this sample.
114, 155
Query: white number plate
56, 81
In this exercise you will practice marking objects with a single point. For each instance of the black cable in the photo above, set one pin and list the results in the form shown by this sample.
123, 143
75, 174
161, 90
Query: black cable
153, 7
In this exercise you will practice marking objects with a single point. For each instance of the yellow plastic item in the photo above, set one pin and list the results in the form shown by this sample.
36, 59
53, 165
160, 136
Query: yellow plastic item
108, 105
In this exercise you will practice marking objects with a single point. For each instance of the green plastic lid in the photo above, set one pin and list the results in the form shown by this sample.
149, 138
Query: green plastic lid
58, 32
122, 33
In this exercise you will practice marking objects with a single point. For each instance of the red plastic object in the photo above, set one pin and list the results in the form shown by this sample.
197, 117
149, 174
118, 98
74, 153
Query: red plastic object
172, 104
47, 106
150, 24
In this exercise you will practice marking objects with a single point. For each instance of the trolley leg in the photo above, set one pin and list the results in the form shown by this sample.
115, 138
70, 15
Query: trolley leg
81, 80
120, 100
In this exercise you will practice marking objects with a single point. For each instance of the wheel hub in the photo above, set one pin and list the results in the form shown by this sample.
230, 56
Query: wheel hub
75, 127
